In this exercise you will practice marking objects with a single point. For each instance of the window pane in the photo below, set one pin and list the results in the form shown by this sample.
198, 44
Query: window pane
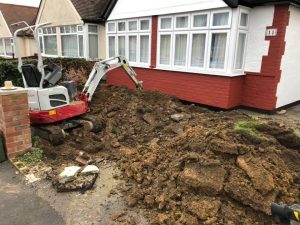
132, 48
180, 49
166, 23
121, 26
198, 50
69, 45
41, 44
80, 45
111, 46
244, 20
93, 28
1, 47
73, 29
144, 49
62, 30
121, 45
165, 48
182, 22
221, 19
50, 45
80, 28
218, 50
93, 46
240, 51
111, 27
132, 25
200, 21
145, 25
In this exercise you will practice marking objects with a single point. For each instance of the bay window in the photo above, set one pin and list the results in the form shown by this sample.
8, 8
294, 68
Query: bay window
202, 41
131, 39
74, 41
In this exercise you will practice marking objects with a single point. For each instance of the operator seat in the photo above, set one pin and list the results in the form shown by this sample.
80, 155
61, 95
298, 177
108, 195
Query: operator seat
32, 75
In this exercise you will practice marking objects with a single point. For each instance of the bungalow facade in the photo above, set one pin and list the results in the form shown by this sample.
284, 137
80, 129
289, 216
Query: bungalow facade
10, 14
219, 53
77, 28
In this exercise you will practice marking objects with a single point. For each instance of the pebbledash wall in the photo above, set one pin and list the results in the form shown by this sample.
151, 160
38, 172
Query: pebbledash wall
267, 64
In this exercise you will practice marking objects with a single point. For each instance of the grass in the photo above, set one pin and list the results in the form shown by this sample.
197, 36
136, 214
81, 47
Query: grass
247, 127
34, 156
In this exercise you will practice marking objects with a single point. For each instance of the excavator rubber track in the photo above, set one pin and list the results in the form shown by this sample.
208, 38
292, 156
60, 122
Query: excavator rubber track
56, 134
53, 133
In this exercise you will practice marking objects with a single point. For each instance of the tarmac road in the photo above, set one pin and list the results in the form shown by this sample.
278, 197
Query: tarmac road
20, 205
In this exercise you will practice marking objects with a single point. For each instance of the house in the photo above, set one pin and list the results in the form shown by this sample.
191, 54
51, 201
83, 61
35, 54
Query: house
218, 53
77, 27
10, 14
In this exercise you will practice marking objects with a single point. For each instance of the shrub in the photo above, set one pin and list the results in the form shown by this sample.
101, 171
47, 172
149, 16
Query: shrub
76, 69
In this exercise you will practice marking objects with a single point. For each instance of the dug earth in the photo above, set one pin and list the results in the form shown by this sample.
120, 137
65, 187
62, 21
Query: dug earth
183, 164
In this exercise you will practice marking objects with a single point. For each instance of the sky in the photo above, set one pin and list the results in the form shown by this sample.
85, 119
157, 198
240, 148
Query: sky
22, 2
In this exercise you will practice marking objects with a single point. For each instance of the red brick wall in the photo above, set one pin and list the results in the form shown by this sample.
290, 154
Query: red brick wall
210, 90
260, 88
154, 41
14, 123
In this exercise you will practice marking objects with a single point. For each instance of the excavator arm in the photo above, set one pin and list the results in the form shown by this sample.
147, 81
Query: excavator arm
101, 68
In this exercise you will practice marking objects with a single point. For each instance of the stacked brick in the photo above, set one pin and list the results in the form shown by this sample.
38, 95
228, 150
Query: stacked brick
14, 121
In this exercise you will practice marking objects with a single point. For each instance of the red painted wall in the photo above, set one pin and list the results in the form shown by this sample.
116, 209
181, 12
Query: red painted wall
256, 90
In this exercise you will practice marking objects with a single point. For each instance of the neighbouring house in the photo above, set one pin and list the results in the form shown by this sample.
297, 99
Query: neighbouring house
77, 27
218, 53
10, 14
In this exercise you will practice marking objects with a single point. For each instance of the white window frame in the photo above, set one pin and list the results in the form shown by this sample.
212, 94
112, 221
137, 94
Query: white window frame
186, 54
107, 26
158, 50
175, 22
200, 14
77, 33
117, 44
150, 24
57, 35
240, 17
147, 64
226, 50
121, 21
165, 17
228, 26
137, 25
107, 41
137, 48
87, 32
244, 53
5, 55
196, 68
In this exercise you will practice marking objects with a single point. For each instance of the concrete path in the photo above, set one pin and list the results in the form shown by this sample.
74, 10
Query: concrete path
19, 205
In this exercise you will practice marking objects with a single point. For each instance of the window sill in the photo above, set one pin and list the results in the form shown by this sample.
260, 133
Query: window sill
205, 72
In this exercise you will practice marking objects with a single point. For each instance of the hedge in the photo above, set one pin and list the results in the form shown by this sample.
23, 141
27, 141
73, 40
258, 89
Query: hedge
9, 70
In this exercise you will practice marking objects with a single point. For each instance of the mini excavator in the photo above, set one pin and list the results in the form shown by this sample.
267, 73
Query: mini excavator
54, 104
288, 215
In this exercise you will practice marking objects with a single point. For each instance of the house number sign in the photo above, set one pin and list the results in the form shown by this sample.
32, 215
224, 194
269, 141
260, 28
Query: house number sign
271, 32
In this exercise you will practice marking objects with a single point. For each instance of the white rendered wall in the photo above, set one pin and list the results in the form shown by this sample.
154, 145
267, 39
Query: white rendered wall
260, 18
141, 8
288, 90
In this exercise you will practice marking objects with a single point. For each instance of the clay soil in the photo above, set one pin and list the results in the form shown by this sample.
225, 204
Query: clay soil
183, 164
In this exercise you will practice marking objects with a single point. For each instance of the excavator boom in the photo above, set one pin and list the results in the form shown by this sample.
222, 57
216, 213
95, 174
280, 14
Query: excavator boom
101, 68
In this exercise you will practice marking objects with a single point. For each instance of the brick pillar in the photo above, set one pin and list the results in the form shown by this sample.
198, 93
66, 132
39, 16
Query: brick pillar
14, 121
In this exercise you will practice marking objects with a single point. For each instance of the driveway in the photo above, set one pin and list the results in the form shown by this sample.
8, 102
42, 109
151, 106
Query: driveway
19, 204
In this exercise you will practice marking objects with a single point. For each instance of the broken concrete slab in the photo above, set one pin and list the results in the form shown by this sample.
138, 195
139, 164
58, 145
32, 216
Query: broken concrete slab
68, 174
180, 116
90, 169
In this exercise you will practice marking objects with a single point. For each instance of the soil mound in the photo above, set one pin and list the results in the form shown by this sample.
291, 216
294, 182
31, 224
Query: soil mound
187, 165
